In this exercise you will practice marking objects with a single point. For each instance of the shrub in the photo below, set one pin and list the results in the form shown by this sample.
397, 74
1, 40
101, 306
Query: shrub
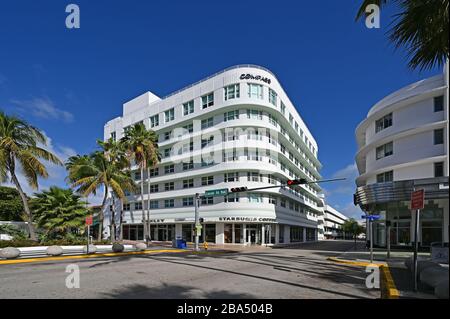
18, 243
15, 232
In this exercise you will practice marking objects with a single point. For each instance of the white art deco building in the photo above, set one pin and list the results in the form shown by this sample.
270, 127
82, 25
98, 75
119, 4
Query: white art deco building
235, 128
403, 145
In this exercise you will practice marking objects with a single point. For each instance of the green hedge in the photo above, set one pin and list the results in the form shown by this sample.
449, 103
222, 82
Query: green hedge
57, 242
18, 243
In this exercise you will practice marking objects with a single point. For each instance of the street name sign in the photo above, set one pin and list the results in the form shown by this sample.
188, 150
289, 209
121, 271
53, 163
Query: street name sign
217, 192
371, 217
417, 199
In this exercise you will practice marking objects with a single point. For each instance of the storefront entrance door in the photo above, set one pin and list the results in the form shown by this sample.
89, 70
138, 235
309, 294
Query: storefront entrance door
251, 239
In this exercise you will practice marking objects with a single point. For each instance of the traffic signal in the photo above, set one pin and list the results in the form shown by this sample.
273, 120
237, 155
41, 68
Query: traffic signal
238, 189
292, 182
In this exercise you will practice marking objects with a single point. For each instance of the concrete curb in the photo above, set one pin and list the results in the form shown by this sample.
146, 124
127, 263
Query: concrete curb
111, 254
387, 284
98, 255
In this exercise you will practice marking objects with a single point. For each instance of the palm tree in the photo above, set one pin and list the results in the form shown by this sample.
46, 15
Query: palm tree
89, 173
59, 212
422, 27
19, 145
142, 149
115, 152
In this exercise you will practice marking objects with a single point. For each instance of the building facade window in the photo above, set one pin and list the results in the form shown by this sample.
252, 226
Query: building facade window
154, 120
232, 115
207, 100
169, 115
439, 103
254, 114
207, 180
154, 188
188, 183
189, 165
127, 207
439, 169
189, 128
231, 177
255, 91
209, 122
169, 169
169, 186
188, 201
282, 108
207, 141
154, 172
169, 203
188, 107
154, 204
385, 177
138, 205
232, 198
439, 136
383, 123
113, 136
272, 97
207, 200
255, 198
232, 92
385, 150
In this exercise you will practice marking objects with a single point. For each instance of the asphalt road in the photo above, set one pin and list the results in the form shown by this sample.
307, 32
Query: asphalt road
297, 272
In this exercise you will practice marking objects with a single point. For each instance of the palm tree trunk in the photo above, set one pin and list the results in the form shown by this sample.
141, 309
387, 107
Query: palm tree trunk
100, 223
113, 220
24, 201
142, 202
148, 205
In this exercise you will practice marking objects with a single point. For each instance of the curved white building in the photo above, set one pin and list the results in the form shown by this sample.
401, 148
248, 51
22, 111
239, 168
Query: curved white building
235, 128
402, 145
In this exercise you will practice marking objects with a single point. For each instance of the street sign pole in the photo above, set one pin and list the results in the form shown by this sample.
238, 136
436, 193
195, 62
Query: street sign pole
416, 247
197, 222
417, 203
371, 239
388, 238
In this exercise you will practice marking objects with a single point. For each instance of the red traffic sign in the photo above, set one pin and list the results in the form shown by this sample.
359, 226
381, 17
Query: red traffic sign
417, 199
89, 220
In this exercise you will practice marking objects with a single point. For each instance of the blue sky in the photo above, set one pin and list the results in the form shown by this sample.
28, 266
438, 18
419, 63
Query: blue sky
70, 82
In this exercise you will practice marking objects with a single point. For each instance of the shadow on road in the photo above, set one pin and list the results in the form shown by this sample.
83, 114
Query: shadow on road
167, 291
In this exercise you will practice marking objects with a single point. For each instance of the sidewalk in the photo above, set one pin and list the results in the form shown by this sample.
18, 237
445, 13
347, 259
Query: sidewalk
401, 276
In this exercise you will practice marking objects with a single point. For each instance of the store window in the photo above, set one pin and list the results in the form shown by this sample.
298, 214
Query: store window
296, 234
228, 233
210, 233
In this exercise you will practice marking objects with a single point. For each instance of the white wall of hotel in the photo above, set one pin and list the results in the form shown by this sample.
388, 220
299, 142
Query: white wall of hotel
416, 123
331, 223
286, 150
